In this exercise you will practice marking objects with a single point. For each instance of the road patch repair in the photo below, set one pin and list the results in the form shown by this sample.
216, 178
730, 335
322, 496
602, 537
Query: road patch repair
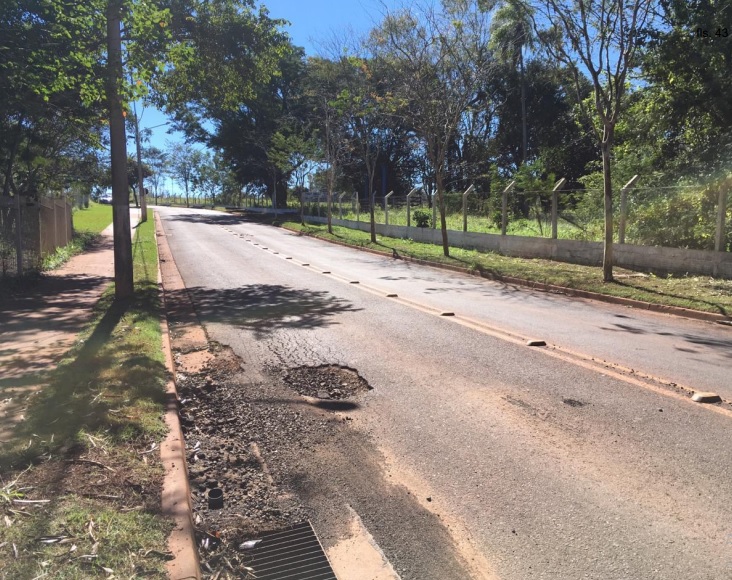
233, 423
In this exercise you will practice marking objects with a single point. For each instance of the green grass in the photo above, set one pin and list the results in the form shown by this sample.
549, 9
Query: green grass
476, 223
93, 219
104, 402
694, 292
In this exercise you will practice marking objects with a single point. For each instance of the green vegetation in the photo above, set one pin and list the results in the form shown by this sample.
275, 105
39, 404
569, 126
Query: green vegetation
481, 224
697, 293
389, 112
88, 223
83, 445
93, 219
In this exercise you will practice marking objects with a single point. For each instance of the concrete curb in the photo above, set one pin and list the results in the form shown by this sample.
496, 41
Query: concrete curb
572, 292
176, 496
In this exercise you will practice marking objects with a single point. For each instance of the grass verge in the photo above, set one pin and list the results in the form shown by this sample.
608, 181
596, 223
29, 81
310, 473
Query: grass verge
694, 292
81, 478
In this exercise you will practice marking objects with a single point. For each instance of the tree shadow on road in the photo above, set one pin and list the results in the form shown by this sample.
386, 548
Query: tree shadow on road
264, 308
207, 218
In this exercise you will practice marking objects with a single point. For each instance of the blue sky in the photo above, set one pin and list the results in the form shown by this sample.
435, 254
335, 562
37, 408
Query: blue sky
311, 22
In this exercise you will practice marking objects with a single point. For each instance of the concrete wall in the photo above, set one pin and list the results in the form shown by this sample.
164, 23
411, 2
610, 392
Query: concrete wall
643, 258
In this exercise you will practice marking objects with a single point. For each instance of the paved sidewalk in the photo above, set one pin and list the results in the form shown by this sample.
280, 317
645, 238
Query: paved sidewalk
38, 327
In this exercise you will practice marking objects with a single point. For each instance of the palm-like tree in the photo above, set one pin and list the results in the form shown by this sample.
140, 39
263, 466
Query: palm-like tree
511, 34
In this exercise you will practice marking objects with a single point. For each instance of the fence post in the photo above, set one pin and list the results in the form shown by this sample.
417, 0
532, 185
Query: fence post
719, 241
434, 210
504, 207
18, 238
555, 206
409, 196
386, 207
340, 205
624, 207
69, 222
465, 207
358, 207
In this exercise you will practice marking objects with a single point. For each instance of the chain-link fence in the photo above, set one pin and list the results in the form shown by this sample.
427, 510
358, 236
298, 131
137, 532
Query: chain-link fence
683, 217
31, 229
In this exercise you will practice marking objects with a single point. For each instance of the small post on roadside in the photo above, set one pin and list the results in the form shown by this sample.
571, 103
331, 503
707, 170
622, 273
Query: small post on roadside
358, 207
504, 207
386, 207
409, 198
624, 207
555, 205
465, 207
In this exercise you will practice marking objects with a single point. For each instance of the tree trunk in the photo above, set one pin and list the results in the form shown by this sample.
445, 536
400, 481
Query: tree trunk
330, 215
372, 171
525, 138
331, 184
11, 158
443, 220
123, 278
607, 258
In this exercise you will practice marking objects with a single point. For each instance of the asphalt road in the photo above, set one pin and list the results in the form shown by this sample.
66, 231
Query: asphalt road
538, 467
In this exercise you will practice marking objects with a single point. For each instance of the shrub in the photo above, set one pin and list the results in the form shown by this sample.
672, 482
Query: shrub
422, 218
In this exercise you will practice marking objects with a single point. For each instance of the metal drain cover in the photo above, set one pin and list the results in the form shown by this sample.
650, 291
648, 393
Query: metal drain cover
294, 554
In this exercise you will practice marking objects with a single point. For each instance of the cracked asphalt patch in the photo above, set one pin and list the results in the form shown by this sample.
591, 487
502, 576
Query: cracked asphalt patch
280, 460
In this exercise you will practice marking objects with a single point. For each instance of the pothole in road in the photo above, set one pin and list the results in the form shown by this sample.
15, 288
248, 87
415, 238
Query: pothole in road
326, 382
574, 402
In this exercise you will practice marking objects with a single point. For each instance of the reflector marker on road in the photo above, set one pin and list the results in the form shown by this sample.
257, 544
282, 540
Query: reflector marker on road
706, 398
392, 295
354, 282
536, 343
305, 264
326, 272
447, 314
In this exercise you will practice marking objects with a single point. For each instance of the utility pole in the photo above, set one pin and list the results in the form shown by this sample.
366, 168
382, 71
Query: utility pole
140, 185
123, 279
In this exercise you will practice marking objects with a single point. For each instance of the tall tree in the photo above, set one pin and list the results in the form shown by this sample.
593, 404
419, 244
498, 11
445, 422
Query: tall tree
441, 59
158, 162
228, 83
687, 66
366, 105
185, 164
600, 38
325, 81
511, 35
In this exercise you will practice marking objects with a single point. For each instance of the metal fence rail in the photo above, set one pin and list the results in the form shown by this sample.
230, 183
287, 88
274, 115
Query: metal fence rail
697, 217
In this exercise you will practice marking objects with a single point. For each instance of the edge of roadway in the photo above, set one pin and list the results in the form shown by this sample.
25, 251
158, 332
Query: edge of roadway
542, 286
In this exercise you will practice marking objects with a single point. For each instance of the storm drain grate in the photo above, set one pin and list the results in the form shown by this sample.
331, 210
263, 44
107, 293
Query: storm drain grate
291, 554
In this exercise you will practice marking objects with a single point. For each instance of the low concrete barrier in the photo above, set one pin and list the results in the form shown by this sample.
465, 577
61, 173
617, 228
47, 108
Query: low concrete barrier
655, 259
